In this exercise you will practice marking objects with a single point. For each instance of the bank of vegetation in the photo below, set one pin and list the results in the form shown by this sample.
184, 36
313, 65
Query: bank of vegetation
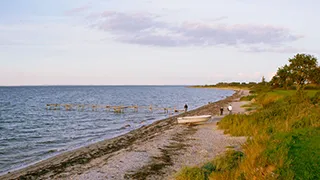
283, 131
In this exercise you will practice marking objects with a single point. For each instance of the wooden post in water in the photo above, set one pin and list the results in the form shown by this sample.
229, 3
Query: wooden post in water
94, 107
80, 107
67, 106
117, 109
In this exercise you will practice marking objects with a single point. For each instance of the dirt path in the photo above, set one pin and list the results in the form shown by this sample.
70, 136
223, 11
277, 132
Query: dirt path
156, 151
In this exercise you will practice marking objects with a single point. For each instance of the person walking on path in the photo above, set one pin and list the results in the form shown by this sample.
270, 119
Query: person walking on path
221, 111
230, 109
185, 108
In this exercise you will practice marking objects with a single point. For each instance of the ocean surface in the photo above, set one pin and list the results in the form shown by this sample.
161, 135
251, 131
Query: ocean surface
30, 133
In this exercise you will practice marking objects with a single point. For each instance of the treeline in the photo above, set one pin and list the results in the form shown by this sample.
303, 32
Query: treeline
236, 84
302, 72
231, 84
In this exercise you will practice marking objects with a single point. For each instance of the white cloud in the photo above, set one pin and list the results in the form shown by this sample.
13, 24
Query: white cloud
140, 28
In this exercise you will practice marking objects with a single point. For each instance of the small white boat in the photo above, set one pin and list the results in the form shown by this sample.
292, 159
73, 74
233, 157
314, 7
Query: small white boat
194, 119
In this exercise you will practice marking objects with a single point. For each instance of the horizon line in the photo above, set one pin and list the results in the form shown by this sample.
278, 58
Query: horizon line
99, 85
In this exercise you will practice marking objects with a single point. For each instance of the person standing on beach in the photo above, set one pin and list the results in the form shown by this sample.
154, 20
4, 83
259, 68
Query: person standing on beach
221, 111
230, 109
185, 108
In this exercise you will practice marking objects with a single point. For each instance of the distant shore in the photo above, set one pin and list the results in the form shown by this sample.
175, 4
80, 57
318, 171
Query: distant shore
59, 166
235, 88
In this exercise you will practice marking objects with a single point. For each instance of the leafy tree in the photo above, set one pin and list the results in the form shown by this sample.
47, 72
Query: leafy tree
316, 76
302, 69
283, 77
275, 81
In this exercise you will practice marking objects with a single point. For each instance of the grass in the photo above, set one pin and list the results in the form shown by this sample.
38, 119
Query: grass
302, 150
251, 106
213, 168
248, 98
305, 154
284, 93
284, 138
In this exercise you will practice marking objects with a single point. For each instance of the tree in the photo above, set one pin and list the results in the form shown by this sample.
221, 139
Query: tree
263, 80
302, 68
275, 81
282, 78
315, 79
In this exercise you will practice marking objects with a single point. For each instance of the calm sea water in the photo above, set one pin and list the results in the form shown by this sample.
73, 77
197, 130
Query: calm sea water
29, 132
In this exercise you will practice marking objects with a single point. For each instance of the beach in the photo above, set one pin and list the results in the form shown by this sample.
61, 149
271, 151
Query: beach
155, 151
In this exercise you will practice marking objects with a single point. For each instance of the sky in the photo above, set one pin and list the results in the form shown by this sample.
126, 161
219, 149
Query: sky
152, 42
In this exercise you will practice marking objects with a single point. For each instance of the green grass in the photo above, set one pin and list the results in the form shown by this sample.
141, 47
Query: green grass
284, 138
191, 173
284, 93
251, 106
305, 154
285, 143
213, 168
302, 153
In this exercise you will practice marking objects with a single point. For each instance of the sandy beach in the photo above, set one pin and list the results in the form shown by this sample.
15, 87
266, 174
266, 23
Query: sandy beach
155, 151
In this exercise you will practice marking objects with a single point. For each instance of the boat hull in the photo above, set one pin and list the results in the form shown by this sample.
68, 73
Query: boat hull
194, 119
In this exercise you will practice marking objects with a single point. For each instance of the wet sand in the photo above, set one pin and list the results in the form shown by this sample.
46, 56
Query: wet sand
156, 151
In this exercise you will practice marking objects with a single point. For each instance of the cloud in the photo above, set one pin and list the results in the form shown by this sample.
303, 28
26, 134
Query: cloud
144, 28
237, 34
126, 23
284, 49
78, 9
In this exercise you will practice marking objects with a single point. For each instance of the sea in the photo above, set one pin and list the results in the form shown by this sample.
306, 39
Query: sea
31, 132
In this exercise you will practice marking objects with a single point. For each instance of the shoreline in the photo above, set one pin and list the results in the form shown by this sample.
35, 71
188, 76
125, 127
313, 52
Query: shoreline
224, 88
56, 165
